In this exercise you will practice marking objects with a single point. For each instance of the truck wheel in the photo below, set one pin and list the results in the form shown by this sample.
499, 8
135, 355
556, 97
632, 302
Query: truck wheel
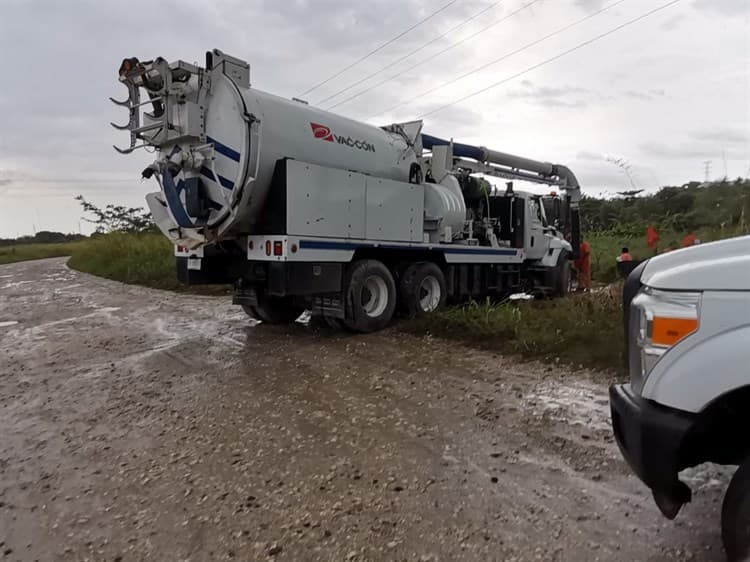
274, 310
735, 515
422, 289
562, 273
370, 296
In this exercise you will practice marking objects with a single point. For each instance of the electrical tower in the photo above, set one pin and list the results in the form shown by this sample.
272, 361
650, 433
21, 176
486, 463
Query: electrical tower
707, 170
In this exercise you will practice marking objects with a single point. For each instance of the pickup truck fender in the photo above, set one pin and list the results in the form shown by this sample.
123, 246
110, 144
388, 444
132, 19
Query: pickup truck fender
711, 362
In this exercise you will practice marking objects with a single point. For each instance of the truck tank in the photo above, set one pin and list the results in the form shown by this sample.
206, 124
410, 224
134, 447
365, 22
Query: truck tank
219, 141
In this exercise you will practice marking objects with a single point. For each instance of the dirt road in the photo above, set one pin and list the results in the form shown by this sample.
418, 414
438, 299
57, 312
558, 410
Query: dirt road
139, 424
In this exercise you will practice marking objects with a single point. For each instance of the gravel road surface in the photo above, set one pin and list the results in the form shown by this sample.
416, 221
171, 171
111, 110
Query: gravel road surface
139, 424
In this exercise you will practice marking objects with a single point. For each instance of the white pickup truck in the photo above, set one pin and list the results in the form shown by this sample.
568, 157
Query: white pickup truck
687, 329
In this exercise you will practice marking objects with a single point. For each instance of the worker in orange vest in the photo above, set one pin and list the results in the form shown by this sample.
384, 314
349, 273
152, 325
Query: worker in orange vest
583, 266
689, 240
624, 255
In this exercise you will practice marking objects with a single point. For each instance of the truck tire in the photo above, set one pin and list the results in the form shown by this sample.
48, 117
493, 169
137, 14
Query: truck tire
561, 286
274, 310
370, 296
422, 289
735, 515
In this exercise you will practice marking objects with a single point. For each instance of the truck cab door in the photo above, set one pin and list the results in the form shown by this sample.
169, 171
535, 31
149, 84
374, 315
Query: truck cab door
536, 238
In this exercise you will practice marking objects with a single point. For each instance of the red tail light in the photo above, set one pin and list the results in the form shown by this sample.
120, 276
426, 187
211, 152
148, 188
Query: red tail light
277, 248
268, 247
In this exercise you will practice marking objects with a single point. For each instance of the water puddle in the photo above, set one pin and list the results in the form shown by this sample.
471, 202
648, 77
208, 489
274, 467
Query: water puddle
576, 403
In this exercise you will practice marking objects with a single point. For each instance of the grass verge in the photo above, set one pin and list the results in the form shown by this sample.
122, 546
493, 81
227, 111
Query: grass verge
138, 259
141, 259
25, 252
583, 329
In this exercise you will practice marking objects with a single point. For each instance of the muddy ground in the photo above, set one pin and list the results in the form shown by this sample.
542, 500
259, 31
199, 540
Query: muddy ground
139, 424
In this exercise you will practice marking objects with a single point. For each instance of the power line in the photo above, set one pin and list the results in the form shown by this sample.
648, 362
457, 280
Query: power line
420, 63
556, 57
395, 62
383, 46
505, 56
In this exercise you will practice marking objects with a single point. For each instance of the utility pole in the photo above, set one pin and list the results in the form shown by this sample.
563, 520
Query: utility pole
707, 170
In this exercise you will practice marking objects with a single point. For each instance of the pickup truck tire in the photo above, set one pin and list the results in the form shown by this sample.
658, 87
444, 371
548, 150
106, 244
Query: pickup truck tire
422, 289
735, 515
370, 296
274, 310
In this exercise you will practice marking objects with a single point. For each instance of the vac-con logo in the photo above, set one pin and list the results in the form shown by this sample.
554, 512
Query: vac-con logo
324, 133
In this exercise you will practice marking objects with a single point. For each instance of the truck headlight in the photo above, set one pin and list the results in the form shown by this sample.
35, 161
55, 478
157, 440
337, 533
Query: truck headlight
658, 321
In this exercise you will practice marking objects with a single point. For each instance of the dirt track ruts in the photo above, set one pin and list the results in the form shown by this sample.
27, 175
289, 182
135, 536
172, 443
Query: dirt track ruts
140, 424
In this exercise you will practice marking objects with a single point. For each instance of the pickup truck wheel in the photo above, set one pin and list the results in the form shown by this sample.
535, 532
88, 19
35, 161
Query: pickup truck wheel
274, 310
735, 515
370, 296
422, 289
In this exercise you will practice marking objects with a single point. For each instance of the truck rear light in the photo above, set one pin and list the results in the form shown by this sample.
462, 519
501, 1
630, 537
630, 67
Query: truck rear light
268, 247
294, 248
250, 245
278, 248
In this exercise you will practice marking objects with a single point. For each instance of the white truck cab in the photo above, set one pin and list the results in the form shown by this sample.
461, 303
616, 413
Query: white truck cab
687, 329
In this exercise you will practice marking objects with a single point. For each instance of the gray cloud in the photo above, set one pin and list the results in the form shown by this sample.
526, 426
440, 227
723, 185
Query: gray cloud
647, 95
694, 151
723, 7
587, 155
551, 96
673, 22
590, 5
722, 135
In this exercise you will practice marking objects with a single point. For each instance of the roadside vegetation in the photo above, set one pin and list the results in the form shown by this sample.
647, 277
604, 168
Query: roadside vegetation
143, 258
28, 251
583, 329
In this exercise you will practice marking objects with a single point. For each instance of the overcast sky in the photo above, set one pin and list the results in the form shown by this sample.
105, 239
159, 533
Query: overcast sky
664, 94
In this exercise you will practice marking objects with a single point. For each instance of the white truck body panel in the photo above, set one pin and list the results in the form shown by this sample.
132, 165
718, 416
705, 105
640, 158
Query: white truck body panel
325, 201
716, 266
710, 362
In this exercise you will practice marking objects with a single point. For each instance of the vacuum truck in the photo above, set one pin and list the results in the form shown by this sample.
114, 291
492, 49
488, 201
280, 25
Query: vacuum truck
301, 209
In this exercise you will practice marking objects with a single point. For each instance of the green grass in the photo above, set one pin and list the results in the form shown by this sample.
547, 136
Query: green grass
604, 251
138, 259
24, 252
142, 259
583, 329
